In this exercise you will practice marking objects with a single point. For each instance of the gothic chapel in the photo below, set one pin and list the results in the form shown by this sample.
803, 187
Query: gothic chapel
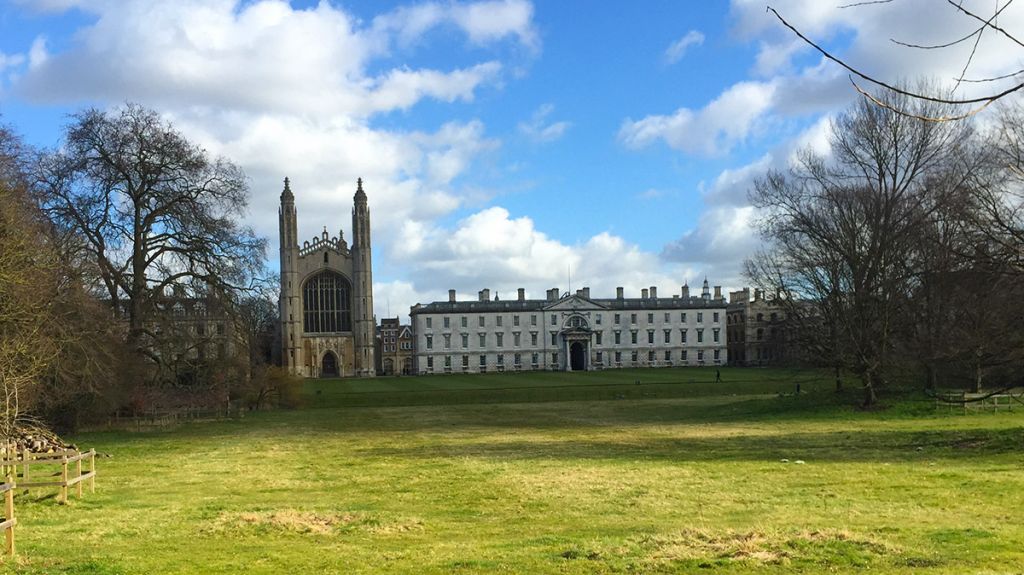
327, 323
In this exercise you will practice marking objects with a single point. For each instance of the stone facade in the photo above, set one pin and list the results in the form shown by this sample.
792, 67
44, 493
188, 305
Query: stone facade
757, 330
394, 348
569, 332
326, 302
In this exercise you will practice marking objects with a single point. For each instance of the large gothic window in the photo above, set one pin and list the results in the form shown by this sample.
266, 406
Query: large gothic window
325, 304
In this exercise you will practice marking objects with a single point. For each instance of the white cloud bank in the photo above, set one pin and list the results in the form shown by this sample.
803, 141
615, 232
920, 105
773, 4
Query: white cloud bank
677, 49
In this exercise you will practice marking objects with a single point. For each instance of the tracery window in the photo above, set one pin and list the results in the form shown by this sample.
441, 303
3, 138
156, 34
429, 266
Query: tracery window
326, 305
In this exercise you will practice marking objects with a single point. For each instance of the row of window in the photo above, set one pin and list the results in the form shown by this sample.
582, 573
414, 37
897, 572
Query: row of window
517, 359
617, 319
598, 337
406, 345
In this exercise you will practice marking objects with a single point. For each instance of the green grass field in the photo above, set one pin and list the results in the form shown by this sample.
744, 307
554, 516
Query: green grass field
551, 473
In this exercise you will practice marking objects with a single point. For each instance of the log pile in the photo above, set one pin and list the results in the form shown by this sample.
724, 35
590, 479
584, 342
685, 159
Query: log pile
36, 440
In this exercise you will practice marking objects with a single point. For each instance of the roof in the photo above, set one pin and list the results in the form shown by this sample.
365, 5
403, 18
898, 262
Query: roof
631, 304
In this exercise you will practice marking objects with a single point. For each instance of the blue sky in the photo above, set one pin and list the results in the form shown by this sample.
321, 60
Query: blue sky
501, 141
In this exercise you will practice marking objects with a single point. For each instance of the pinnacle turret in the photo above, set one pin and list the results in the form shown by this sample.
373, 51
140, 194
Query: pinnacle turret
287, 195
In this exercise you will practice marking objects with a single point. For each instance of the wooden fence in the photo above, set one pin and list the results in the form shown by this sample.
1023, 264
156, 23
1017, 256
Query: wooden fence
26, 474
7, 525
963, 402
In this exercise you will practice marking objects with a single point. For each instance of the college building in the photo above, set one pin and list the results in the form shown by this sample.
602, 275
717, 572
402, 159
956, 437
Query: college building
326, 304
569, 332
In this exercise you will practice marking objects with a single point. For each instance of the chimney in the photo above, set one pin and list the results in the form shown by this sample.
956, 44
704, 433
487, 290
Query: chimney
485, 294
654, 292
522, 294
618, 293
718, 292
451, 296
552, 294
643, 293
579, 292
586, 292
757, 294
686, 291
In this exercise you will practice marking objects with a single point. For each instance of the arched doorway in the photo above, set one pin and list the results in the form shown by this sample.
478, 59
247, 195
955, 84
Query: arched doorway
389, 366
577, 356
407, 366
329, 365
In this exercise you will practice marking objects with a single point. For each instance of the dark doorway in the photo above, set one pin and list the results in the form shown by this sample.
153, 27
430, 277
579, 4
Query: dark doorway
329, 365
577, 358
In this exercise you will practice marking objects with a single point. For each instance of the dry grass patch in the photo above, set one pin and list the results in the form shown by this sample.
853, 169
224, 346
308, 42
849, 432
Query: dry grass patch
311, 522
764, 546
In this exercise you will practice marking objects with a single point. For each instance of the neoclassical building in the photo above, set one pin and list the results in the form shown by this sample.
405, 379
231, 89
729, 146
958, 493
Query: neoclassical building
569, 332
326, 303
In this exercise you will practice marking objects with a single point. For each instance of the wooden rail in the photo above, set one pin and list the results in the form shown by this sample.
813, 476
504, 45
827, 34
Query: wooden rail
7, 525
66, 477
964, 402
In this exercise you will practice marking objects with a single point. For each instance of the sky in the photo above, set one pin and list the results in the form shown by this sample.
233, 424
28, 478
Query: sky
502, 143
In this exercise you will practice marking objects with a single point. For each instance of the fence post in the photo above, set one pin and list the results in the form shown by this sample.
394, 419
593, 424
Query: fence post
92, 469
25, 454
78, 476
64, 479
9, 512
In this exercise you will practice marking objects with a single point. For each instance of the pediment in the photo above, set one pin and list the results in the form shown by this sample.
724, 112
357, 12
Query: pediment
574, 303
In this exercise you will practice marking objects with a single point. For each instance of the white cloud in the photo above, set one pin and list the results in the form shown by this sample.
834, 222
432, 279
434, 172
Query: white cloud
538, 130
677, 49
725, 122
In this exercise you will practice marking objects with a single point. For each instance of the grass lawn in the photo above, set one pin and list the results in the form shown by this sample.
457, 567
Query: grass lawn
551, 473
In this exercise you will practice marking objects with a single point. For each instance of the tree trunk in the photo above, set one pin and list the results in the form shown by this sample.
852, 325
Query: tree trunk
839, 381
869, 389
931, 377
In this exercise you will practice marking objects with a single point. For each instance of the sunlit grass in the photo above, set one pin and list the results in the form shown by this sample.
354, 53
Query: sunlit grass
690, 476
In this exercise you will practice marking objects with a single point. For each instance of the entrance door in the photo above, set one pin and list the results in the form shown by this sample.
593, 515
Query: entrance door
329, 365
577, 357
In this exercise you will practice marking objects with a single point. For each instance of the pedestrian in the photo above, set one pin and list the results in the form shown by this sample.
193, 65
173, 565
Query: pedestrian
718, 376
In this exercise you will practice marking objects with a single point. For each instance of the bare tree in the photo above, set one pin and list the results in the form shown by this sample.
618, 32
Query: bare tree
152, 210
840, 228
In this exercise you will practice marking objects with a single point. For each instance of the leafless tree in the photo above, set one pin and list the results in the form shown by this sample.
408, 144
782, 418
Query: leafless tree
152, 210
840, 227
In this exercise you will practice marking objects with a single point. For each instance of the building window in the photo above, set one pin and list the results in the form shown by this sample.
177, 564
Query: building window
715, 335
482, 321
447, 341
633, 336
682, 355
533, 358
618, 337
430, 363
515, 339
483, 340
668, 336
465, 362
465, 321
430, 342
518, 359
499, 338
700, 336
597, 340
682, 335
446, 321
714, 317
483, 361
533, 319
515, 320
554, 319
447, 362
465, 340
617, 318
682, 317
618, 357
430, 322
650, 355
650, 336
325, 303
533, 339
597, 319
700, 317
650, 318
554, 358
717, 355
700, 355
498, 320
600, 357
632, 318
668, 355
501, 359
668, 317
554, 338
633, 356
